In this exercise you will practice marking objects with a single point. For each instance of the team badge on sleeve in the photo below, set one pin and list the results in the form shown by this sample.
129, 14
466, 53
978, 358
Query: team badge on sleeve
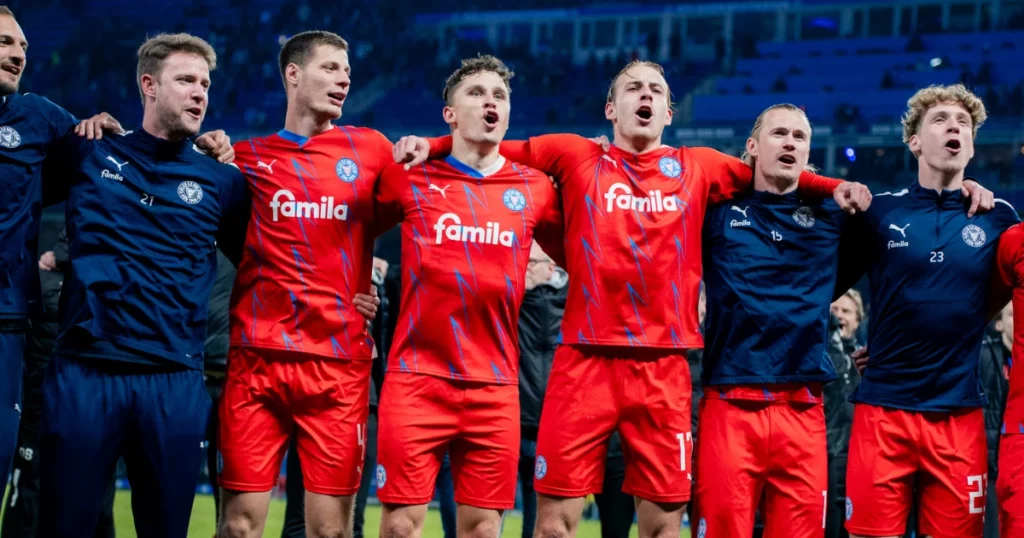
804, 216
514, 200
670, 166
9, 138
973, 235
541, 469
849, 509
347, 170
190, 192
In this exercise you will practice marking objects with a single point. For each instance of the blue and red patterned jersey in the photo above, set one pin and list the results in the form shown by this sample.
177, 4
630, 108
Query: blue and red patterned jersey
309, 245
466, 238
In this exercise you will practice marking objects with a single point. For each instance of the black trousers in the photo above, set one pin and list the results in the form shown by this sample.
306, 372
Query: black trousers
616, 509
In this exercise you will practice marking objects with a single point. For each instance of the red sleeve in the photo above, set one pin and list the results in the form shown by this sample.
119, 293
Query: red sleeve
440, 147
556, 155
1005, 275
814, 186
728, 176
387, 197
550, 231
382, 149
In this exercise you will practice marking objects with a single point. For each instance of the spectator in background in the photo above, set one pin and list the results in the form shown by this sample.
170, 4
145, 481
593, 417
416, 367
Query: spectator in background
848, 311
995, 353
21, 514
847, 314
540, 320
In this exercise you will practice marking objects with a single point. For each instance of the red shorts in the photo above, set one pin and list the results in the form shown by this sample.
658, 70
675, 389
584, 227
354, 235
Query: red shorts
746, 448
1010, 486
265, 393
645, 394
944, 451
424, 416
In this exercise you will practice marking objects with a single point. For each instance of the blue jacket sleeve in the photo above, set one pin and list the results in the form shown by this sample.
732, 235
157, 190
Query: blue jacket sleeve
234, 221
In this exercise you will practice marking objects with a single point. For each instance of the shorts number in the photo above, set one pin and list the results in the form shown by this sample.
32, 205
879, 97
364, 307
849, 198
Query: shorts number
683, 438
937, 257
824, 506
147, 199
979, 482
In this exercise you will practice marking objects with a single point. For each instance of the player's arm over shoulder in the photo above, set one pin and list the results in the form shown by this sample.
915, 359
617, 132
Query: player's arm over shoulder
59, 120
557, 155
387, 197
374, 143
549, 232
236, 208
726, 176
1008, 272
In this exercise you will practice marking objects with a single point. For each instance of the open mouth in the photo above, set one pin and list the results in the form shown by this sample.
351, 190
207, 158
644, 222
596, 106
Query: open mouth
195, 112
953, 145
645, 112
12, 69
491, 118
787, 159
337, 98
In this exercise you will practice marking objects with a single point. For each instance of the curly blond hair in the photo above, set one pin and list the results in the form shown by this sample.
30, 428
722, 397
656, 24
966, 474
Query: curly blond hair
925, 99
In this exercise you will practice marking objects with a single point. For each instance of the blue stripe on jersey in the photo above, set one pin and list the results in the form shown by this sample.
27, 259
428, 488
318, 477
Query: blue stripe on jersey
769, 274
293, 137
463, 167
929, 268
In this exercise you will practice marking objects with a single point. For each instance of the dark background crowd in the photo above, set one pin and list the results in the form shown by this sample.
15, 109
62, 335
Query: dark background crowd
850, 66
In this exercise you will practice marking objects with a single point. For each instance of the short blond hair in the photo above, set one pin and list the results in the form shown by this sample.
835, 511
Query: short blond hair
854, 296
641, 63
925, 99
156, 49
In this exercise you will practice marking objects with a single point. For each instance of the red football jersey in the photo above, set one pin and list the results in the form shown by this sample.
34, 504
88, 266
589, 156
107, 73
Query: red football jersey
1010, 271
309, 245
466, 238
633, 233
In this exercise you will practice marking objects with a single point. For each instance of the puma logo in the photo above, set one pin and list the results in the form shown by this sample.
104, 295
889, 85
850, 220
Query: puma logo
902, 231
434, 187
119, 165
744, 210
269, 167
